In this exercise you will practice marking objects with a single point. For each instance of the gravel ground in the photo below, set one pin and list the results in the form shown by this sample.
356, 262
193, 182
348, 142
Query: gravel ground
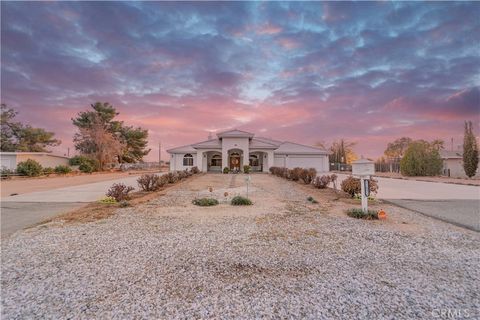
280, 258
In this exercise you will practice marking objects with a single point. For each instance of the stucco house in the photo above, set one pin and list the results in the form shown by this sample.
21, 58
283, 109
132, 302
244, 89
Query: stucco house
236, 148
10, 160
453, 164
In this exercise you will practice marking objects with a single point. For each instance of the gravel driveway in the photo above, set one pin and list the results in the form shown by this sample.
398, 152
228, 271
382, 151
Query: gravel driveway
280, 258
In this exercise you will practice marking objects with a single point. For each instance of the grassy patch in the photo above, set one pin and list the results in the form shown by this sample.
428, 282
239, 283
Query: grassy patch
360, 214
205, 202
241, 201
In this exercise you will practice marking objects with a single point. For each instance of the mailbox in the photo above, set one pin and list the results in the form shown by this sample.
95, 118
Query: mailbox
363, 167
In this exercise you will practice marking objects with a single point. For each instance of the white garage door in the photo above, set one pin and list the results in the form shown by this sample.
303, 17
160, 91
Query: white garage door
316, 162
279, 161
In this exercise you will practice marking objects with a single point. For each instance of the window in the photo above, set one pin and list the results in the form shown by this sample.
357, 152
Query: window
188, 160
216, 161
253, 160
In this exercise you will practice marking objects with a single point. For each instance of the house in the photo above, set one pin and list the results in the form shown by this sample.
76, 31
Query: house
10, 160
453, 164
235, 148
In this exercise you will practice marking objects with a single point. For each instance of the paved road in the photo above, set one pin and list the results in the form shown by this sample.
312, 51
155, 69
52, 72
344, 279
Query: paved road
25, 210
458, 204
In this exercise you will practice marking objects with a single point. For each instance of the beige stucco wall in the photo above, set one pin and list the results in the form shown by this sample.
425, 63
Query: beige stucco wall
456, 168
11, 161
176, 161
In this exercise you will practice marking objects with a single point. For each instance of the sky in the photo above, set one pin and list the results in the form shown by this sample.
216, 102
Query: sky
298, 71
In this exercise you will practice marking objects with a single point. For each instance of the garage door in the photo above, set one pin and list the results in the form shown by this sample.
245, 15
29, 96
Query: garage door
306, 162
279, 161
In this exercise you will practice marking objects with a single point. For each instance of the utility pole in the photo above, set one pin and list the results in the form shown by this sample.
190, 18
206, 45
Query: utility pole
160, 155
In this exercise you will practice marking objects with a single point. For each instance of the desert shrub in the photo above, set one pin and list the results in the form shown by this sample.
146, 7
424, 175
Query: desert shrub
172, 177
86, 167
29, 168
124, 204
85, 164
78, 160
307, 175
311, 199
322, 182
241, 201
205, 202
295, 173
6, 173
226, 170
194, 170
246, 168
360, 214
182, 175
107, 200
149, 182
61, 169
352, 186
48, 170
119, 192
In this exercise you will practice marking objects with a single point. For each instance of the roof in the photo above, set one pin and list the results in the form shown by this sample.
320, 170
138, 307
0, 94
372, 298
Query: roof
34, 153
235, 133
295, 148
182, 149
212, 143
261, 144
447, 154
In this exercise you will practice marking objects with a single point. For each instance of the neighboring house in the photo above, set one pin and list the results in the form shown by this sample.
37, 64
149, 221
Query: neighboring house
10, 160
236, 148
453, 164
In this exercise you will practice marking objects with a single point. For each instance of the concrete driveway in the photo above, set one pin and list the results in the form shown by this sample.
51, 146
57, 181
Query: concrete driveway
27, 209
454, 203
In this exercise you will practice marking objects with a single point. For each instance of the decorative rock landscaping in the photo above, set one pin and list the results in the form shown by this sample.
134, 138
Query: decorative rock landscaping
284, 257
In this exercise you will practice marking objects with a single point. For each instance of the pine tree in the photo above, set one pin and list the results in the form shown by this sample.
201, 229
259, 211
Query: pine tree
470, 151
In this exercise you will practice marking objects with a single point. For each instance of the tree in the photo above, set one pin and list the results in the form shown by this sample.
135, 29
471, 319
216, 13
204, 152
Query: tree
97, 142
421, 159
397, 148
342, 151
132, 141
470, 151
16, 136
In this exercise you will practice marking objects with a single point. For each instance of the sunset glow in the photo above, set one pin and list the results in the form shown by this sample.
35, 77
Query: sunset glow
306, 72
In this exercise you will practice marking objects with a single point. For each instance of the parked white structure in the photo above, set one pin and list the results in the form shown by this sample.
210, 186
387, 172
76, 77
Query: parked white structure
10, 160
236, 148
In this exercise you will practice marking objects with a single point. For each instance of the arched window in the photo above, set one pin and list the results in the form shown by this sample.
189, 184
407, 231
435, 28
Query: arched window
188, 160
216, 160
253, 160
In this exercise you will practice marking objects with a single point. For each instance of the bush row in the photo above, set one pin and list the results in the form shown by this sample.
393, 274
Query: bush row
153, 182
295, 174
32, 168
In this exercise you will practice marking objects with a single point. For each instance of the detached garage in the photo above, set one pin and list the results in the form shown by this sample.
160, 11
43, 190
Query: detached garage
10, 160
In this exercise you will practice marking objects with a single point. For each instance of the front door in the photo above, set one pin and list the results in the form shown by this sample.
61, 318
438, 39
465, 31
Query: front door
234, 162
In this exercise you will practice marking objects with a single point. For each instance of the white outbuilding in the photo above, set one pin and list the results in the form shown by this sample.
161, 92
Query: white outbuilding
10, 160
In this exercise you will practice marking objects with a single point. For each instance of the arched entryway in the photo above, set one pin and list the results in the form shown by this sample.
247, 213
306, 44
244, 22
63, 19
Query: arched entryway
214, 161
256, 160
235, 159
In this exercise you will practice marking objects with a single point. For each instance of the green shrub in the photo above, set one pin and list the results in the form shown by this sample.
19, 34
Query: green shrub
421, 159
119, 192
311, 199
61, 169
226, 170
107, 200
85, 164
246, 168
49, 170
352, 186
205, 202
241, 201
29, 168
360, 214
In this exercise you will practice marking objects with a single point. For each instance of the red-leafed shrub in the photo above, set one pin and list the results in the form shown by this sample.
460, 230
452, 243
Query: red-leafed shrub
307, 175
119, 192
352, 186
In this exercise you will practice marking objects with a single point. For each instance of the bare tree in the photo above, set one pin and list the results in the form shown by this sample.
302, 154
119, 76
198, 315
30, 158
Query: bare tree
99, 143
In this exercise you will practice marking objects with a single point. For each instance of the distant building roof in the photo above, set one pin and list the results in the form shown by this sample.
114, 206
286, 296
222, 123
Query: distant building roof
448, 154
235, 133
34, 153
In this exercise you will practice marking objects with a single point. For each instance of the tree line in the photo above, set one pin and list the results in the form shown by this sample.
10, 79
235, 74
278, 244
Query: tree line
100, 139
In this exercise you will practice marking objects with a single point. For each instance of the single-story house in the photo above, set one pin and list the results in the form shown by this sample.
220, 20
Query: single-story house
235, 148
10, 160
453, 164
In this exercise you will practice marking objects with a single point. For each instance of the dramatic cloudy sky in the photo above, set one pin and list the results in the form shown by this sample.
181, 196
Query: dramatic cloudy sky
367, 72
